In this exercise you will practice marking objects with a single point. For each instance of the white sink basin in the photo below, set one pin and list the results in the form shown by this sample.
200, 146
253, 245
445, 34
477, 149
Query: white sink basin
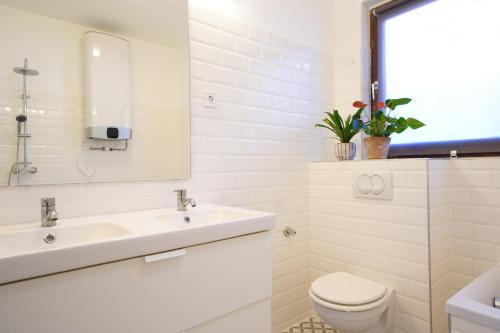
100, 239
474, 302
195, 218
32, 240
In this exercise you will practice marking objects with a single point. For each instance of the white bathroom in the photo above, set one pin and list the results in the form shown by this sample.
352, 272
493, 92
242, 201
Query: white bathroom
250, 166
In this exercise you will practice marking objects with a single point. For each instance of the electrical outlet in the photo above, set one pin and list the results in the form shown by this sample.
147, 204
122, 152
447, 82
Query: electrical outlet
210, 99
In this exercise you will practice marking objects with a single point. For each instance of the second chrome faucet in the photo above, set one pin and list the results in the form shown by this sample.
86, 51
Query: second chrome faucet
183, 201
49, 213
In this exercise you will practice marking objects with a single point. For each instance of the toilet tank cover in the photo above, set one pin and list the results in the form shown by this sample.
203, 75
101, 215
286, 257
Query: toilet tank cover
347, 289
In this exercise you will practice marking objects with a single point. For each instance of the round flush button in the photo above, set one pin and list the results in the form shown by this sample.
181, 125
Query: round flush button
365, 184
378, 185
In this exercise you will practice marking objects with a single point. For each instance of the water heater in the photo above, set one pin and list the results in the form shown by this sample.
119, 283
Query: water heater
107, 86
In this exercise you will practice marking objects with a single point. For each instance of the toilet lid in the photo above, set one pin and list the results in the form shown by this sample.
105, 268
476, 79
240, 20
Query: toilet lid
348, 289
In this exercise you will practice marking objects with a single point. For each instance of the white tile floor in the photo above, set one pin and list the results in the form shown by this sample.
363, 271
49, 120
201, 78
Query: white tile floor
311, 325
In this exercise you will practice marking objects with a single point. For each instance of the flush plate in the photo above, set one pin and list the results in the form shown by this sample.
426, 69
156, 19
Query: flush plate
373, 185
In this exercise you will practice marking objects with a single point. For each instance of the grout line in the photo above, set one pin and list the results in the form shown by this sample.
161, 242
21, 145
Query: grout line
429, 262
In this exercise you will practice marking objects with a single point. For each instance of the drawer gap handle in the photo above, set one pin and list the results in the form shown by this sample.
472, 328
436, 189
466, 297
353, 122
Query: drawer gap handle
164, 255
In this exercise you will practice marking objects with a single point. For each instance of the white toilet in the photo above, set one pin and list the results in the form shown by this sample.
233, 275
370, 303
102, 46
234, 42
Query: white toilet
352, 304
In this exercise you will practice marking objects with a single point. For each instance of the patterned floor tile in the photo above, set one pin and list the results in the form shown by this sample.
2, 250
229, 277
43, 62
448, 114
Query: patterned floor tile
311, 325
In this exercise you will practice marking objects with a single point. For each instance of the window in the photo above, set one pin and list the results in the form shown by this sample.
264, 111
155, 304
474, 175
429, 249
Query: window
445, 55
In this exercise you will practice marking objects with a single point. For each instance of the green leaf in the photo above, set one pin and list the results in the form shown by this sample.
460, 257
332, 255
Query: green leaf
329, 123
338, 119
393, 103
348, 122
392, 120
344, 130
321, 125
402, 122
401, 125
335, 131
390, 129
357, 115
334, 120
380, 116
415, 123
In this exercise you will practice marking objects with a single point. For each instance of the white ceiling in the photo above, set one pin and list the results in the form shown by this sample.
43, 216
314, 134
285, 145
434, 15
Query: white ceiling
159, 21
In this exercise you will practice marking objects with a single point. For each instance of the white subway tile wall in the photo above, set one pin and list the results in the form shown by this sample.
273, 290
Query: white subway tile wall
475, 216
255, 145
385, 241
464, 228
441, 242
251, 151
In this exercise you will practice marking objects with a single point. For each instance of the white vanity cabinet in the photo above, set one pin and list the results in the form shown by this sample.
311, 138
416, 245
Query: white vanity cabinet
223, 286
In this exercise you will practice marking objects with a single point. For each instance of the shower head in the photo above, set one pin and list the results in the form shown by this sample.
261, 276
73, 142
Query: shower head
25, 70
21, 118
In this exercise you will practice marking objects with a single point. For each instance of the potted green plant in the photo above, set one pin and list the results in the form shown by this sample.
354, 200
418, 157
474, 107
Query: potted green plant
344, 130
383, 124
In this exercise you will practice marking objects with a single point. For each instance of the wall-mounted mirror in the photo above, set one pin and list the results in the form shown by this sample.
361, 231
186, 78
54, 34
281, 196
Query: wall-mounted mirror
110, 107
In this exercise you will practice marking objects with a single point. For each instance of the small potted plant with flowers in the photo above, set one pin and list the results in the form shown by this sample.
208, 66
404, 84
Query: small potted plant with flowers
344, 130
383, 124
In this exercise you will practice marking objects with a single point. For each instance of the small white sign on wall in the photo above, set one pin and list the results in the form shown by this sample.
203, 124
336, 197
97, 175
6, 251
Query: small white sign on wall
373, 185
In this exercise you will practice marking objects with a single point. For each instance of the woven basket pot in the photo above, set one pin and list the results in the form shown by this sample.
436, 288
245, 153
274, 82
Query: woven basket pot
345, 151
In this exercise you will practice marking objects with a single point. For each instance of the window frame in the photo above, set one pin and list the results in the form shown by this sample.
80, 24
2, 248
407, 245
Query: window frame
464, 148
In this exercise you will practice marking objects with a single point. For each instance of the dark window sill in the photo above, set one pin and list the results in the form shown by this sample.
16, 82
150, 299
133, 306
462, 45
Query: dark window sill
464, 148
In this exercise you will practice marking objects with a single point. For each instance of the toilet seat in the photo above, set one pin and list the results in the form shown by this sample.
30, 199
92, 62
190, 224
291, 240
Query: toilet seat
346, 292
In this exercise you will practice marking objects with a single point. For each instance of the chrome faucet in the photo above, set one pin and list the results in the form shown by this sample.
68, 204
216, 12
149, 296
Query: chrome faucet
182, 201
49, 213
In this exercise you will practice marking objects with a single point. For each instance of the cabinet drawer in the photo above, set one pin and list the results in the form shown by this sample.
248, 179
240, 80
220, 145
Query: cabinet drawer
254, 318
169, 294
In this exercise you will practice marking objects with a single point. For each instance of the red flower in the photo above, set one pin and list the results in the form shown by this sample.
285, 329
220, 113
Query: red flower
380, 105
359, 105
